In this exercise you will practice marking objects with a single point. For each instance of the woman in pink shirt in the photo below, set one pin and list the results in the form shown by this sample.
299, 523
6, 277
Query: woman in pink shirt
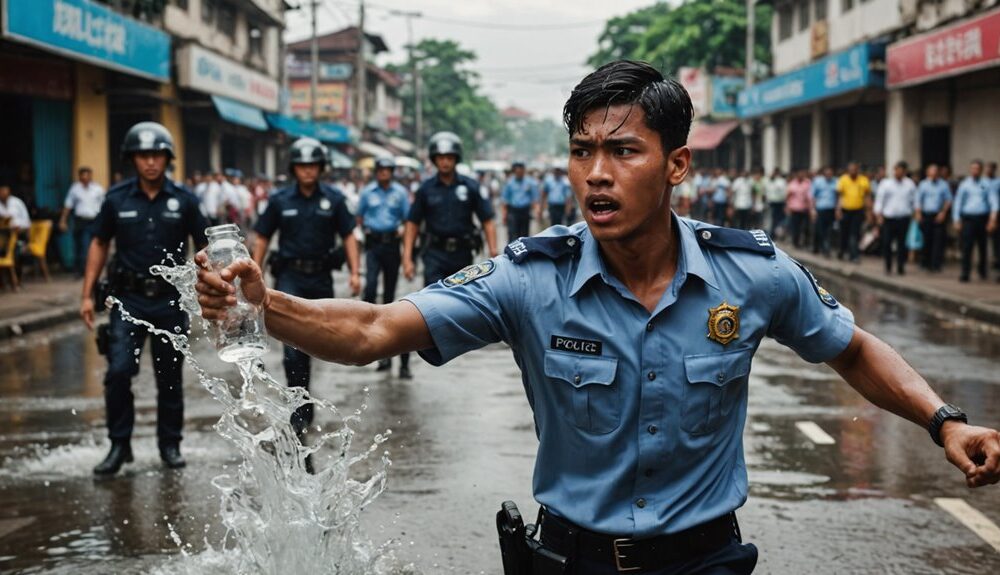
798, 205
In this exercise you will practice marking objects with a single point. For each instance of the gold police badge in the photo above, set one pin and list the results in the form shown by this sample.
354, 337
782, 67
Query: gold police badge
724, 323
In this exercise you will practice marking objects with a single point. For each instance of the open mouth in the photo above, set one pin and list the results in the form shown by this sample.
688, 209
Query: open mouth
602, 208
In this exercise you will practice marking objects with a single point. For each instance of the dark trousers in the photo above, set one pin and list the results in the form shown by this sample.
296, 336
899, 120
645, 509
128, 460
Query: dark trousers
932, 255
894, 238
298, 364
384, 259
124, 352
797, 226
518, 222
557, 214
777, 217
719, 214
973, 235
744, 219
82, 235
850, 229
439, 264
824, 227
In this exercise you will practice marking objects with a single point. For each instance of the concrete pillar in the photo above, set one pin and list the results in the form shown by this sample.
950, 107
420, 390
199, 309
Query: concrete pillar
769, 145
170, 117
270, 161
215, 149
90, 123
818, 144
902, 127
785, 145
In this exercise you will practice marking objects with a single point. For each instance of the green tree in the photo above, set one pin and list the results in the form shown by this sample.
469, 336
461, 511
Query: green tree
707, 33
450, 95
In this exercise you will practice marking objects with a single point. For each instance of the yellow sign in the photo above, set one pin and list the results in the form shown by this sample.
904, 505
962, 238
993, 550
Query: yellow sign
724, 323
331, 99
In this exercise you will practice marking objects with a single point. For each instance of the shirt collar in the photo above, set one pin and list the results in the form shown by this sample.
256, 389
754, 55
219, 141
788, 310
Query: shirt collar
691, 260
167, 188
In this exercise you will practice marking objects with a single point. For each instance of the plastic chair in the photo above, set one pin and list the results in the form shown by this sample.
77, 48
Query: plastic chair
38, 243
7, 258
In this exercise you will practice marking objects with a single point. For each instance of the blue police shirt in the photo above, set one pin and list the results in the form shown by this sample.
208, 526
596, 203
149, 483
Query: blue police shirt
639, 416
825, 193
145, 230
383, 210
557, 191
721, 193
932, 195
448, 209
974, 198
520, 193
309, 225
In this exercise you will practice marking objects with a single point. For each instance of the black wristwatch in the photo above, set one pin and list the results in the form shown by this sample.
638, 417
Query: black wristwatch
946, 412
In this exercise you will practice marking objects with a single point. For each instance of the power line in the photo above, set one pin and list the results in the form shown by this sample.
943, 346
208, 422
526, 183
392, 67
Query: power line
490, 25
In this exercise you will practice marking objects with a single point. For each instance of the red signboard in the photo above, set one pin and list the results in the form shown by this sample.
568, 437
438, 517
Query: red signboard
952, 50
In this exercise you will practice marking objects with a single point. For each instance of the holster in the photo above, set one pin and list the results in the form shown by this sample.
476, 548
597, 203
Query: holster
522, 553
338, 257
103, 339
276, 263
102, 289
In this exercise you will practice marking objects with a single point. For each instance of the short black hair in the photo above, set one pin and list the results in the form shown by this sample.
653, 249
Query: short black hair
902, 164
665, 102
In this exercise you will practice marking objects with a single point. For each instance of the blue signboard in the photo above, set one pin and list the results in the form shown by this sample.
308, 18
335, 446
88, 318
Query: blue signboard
329, 132
835, 74
86, 30
239, 113
725, 92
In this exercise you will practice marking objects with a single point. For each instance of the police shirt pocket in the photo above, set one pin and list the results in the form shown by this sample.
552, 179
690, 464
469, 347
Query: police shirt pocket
586, 390
714, 386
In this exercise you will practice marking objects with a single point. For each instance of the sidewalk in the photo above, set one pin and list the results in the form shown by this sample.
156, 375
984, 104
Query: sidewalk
38, 304
977, 299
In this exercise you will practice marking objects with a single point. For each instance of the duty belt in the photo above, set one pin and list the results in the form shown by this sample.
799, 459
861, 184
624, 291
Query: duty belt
637, 555
307, 266
372, 238
452, 243
128, 281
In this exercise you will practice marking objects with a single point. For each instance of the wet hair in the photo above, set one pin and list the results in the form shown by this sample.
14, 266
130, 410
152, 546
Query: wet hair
664, 101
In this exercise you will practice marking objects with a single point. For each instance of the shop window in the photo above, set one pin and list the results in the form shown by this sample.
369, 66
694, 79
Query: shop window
256, 35
208, 11
819, 10
803, 7
784, 23
227, 19
846, 5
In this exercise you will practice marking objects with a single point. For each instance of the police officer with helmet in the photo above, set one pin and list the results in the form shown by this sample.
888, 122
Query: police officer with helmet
445, 204
634, 332
382, 211
309, 217
149, 217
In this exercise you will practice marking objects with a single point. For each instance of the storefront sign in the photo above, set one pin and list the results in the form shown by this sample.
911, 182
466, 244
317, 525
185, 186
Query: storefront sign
205, 71
324, 131
86, 30
952, 50
331, 99
301, 69
725, 93
836, 74
695, 81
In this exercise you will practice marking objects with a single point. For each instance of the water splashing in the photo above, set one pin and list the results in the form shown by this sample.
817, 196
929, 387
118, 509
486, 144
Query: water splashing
280, 518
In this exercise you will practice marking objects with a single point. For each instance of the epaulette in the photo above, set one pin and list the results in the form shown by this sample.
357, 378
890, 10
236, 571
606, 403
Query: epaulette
552, 247
729, 238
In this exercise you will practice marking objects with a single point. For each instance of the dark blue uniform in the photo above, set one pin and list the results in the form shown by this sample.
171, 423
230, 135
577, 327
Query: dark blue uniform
309, 228
451, 234
146, 232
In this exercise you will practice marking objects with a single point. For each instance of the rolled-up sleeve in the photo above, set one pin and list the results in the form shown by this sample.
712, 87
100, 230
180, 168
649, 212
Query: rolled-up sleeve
469, 316
806, 318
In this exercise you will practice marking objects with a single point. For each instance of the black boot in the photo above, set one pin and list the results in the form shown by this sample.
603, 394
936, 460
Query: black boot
384, 365
404, 372
170, 453
120, 454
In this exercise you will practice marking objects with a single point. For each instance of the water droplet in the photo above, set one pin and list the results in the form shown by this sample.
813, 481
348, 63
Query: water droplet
124, 521
73, 411
135, 351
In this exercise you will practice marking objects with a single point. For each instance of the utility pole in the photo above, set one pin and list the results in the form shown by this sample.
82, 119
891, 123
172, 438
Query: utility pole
747, 127
362, 71
314, 46
418, 132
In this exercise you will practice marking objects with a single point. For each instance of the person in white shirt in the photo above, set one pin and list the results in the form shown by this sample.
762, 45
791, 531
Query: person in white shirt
743, 201
200, 188
18, 221
83, 201
895, 200
212, 200
776, 192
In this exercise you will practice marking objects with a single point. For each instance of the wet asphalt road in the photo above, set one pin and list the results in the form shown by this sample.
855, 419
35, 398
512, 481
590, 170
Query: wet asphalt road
463, 441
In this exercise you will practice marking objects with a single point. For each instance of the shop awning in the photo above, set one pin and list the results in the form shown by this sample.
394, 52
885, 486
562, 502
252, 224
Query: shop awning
709, 136
402, 145
329, 132
340, 160
240, 114
375, 150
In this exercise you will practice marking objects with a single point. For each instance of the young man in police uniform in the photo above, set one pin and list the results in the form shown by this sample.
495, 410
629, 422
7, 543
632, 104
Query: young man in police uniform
639, 415
309, 216
382, 212
149, 216
445, 204
519, 199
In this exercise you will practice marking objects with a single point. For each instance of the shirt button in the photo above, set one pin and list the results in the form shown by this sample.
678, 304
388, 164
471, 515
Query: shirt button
652, 429
721, 377
641, 503
651, 376
649, 326
576, 378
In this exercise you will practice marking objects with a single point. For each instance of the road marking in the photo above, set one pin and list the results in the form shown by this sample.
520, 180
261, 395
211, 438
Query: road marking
972, 518
815, 433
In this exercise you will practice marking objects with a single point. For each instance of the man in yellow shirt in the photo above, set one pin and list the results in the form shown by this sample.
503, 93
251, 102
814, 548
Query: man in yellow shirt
855, 191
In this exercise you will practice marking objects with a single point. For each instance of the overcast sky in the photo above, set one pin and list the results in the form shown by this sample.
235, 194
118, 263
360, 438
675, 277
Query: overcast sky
534, 69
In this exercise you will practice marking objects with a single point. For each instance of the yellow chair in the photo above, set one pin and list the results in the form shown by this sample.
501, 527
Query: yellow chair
7, 258
38, 243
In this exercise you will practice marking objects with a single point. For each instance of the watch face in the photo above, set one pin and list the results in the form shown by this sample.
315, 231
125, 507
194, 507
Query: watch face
950, 410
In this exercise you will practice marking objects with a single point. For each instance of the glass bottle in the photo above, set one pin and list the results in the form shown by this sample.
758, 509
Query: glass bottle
240, 335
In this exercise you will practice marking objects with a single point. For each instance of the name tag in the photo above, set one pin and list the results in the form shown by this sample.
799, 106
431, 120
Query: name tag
172, 215
574, 345
128, 214
292, 212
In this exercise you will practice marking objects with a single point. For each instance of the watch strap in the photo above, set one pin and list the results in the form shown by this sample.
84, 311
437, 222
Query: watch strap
946, 412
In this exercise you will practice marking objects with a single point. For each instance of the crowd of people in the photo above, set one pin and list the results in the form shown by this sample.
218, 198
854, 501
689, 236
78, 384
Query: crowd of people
904, 214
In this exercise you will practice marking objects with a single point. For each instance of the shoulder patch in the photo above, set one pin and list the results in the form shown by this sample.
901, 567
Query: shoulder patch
824, 296
729, 238
552, 247
470, 273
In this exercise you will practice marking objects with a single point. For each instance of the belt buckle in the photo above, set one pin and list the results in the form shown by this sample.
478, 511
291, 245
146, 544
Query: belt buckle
619, 545
450, 245
150, 288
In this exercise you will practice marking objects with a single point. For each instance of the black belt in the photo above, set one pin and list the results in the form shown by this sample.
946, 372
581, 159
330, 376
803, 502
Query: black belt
307, 266
637, 555
381, 238
451, 243
142, 284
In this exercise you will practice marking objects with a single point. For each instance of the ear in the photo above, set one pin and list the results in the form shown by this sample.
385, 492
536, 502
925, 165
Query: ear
678, 165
